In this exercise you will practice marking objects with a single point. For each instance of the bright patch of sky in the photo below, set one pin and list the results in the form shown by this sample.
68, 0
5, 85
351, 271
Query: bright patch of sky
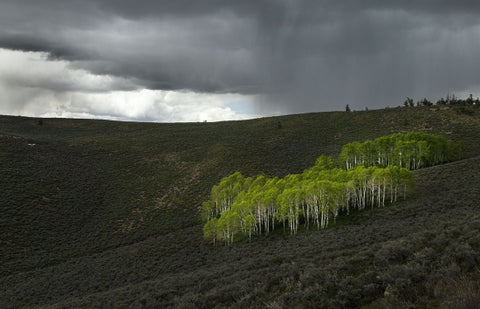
33, 85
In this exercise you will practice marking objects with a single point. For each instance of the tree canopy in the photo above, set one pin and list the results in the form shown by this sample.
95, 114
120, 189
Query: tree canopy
411, 150
368, 174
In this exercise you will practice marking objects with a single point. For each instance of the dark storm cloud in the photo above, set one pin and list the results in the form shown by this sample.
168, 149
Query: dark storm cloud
299, 55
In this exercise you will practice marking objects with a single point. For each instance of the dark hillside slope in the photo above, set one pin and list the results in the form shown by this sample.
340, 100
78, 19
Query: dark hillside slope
422, 251
109, 209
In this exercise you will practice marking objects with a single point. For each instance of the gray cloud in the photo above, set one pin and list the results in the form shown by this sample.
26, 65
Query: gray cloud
297, 56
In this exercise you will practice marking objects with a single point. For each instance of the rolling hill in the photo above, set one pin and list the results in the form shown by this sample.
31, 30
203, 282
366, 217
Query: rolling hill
107, 214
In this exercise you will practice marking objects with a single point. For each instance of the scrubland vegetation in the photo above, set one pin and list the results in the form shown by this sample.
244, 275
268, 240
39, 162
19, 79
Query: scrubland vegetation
107, 214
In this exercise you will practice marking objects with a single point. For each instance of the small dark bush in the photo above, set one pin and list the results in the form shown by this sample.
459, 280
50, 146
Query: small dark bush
392, 253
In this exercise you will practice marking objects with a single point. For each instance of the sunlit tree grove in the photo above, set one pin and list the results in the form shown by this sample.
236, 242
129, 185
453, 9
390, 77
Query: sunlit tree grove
411, 150
368, 174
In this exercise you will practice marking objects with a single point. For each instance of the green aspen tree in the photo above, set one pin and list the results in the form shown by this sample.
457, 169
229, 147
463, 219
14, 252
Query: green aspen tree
270, 193
210, 230
366, 153
208, 210
228, 225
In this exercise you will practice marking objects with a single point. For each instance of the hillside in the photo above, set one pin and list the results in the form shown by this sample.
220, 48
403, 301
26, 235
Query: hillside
99, 213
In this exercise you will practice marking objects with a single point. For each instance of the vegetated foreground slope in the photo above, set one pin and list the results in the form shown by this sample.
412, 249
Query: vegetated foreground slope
105, 213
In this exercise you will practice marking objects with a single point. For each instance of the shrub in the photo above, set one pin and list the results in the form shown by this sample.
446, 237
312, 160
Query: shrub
392, 253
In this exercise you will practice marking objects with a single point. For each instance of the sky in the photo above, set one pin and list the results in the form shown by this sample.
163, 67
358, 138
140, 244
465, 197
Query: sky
178, 60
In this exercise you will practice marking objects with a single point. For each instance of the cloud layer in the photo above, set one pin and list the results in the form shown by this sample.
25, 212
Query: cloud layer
274, 57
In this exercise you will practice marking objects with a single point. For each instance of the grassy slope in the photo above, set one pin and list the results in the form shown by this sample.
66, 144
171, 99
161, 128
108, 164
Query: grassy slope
107, 213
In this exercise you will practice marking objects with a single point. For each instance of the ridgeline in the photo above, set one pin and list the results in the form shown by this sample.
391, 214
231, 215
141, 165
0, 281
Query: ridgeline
101, 213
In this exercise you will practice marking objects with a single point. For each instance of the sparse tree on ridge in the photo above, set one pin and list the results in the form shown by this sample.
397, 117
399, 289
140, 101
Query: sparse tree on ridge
408, 102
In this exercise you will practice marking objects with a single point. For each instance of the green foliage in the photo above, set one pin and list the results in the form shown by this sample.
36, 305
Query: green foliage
411, 150
254, 207
223, 195
210, 229
372, 171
